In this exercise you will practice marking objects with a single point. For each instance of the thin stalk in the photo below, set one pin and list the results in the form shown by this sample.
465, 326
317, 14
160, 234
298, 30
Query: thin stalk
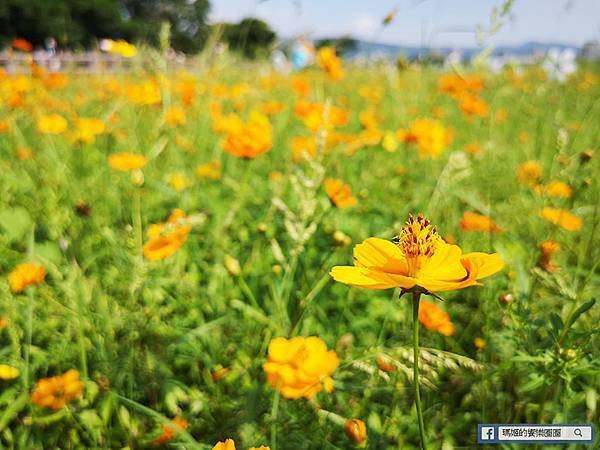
28, 337
274, 411
416, 299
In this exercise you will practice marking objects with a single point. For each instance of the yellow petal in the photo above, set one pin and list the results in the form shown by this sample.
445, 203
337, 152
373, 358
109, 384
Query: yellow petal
382, 254
8, 372
445, 264
370, 279
486, 264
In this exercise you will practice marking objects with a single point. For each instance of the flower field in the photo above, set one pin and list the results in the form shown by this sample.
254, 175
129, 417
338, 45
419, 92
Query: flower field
192, 258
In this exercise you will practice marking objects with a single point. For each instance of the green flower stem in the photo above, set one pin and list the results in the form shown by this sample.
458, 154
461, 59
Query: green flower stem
416, 299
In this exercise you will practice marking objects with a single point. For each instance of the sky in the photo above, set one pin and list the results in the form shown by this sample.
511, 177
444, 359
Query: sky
422, 22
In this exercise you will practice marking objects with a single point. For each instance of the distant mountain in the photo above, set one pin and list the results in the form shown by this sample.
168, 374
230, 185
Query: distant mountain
364, 49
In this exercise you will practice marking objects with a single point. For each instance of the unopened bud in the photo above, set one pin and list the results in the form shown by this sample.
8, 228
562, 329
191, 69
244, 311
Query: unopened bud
232, 265
356, 430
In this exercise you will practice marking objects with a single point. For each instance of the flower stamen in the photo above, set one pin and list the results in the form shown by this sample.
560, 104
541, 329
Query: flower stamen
417, 241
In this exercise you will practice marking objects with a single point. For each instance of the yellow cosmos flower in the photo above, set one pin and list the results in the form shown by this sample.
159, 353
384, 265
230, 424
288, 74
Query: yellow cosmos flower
390, 142
228, 444
179, 181
52, 124
529, 173
339, 193
330, 63
562, 218
8, 372
303, 147
87, 129
25, 275
210, 170
420, 259
300, 367
175, 116
119, 47
126, 161
556, 189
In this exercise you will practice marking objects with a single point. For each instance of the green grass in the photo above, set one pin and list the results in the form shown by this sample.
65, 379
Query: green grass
146, 336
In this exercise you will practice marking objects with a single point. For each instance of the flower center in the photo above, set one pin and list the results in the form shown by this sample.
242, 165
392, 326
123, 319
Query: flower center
417, 241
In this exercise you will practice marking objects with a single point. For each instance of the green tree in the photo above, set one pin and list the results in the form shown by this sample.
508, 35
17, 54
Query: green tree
186, 17
79, 23
252, 37
73, 23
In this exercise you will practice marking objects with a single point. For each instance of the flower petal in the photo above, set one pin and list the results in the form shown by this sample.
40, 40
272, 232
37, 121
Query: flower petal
381, 254
369, 278
445, 264
482, 264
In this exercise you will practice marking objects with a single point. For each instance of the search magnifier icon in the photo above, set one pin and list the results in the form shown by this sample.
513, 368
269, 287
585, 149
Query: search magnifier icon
577, 432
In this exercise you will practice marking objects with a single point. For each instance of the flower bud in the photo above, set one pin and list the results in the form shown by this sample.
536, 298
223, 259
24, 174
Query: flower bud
232, 265
356, 430
506, 299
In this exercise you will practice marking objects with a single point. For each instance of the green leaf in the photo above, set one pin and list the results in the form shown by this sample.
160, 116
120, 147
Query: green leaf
557, 323
579, 311
15, 222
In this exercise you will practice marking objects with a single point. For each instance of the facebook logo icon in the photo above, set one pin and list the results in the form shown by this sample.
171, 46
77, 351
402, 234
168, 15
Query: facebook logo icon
487, 433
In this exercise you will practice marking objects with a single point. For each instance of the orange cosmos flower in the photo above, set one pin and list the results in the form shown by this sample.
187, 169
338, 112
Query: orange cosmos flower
330, 63
455, 85
430, 136
25, 275
477, 222
272, 107
529, 172
166, 238
55, 392
435, 319
473, 148
419, 259
339, 193
472, 105
500, 116
523, 137
52, 124
251, 139
210, 170
169, 431
21, 44
300, 367
548, 248
562, 218
300, 86
126, 161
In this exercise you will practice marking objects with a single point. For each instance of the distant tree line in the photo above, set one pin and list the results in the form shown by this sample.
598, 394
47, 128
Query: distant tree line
79, 24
